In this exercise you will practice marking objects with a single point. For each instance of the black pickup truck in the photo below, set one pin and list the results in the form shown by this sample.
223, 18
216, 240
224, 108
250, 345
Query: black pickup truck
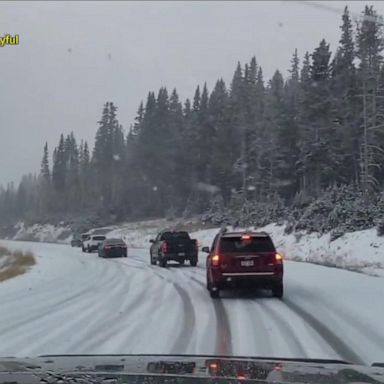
173, 245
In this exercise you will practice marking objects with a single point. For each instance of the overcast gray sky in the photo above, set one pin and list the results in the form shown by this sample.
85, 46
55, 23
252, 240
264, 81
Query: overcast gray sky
74, 56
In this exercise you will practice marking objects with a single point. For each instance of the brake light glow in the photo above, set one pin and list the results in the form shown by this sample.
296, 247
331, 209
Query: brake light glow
213, 365
279, 257
215, 260
246, 237
107, 247
278, 367
164, 247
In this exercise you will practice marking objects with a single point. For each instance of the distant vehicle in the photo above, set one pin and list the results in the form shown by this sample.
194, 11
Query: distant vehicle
84, 237
92, 243
76, 242
113, 248
243, 259
173, 245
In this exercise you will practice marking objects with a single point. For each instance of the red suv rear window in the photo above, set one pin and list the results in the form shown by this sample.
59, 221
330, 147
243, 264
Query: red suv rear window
239, 245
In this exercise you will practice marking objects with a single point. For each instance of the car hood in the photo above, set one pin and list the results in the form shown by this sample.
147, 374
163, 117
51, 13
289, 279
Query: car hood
180, 369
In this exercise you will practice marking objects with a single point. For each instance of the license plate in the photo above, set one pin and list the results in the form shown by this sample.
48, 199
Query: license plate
181, 254
247, 263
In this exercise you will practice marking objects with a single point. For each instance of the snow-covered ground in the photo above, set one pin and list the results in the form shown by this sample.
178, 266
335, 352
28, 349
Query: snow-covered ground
360, 251
46, 233
73, 303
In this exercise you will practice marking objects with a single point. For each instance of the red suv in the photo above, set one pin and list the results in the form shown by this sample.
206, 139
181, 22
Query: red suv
239, 259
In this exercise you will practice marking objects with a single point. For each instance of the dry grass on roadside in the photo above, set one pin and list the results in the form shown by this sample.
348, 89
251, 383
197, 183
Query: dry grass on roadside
14, 263
3, 251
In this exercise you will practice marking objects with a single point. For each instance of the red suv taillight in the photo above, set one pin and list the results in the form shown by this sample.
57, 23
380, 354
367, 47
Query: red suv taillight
107, 247
164, 247
278, 258
215, 261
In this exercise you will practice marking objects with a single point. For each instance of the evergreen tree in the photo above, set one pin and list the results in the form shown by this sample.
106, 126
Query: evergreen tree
73, 173
323, 160
369, 52
257, 135
59, 174
237, 113
179, 178
44, 196
277, 135
224, 153
345, 102
44, 171
290, 135
204, 139
191, 123
138, 119
107, 155
303, 101
196, 100
294, 71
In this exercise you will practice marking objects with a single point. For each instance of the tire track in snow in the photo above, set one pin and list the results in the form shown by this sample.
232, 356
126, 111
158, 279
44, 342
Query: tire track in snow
185, 337
223, 330
352, 321
45, 298
76, 314
223, 341
133, 330
285, 328
257, 337
40, 288
334, 341
45, 312
223, 335
112, 326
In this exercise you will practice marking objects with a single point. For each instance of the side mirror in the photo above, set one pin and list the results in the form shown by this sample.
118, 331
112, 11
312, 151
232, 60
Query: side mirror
151, 241
205, 249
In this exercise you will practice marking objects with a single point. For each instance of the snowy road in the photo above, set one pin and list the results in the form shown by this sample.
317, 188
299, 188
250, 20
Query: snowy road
75, 303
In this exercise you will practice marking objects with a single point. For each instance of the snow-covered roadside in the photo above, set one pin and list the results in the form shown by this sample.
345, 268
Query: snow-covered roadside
62, 234
360, 251
44, 233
